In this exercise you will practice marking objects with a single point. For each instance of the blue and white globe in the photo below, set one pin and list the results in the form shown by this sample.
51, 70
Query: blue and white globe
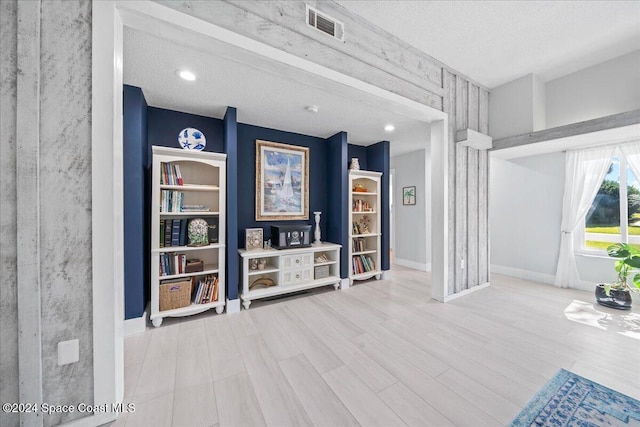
192, 139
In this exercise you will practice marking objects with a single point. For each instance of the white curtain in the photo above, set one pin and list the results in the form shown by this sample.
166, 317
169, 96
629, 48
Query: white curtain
585, 170
631, 151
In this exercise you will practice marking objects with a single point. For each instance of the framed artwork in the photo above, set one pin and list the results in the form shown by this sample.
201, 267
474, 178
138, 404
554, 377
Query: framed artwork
253, 238
409, 195
282, 182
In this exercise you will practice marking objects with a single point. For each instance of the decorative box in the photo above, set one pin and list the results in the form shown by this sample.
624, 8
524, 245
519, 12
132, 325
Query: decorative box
321, 272
194, 265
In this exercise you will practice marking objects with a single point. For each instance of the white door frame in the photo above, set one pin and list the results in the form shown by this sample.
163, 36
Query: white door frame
109, 19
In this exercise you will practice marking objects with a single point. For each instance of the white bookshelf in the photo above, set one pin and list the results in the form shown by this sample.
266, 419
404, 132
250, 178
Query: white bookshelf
204, 184
365, 236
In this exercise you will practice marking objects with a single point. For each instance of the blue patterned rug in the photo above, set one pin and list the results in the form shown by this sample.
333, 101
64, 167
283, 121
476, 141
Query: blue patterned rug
571, 400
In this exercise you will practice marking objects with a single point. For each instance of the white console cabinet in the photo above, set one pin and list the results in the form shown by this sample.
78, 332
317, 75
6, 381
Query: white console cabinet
271, 272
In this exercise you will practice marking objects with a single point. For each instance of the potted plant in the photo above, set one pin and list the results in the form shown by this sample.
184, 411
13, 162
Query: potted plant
617, 294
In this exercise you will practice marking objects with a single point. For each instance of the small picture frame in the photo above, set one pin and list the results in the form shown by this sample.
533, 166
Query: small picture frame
409, 195
253, 238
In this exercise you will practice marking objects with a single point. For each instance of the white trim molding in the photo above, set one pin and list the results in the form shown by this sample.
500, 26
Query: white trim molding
534, 276
466, 292
137, 325
233, 305
421, 266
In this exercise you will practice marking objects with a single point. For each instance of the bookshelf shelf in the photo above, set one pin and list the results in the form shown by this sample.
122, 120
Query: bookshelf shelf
364, 234
190, 187
202, 178
186, 248
193, 214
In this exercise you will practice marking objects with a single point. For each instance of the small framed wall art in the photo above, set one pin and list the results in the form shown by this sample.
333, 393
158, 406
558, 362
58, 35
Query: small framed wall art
253, 238
409, 195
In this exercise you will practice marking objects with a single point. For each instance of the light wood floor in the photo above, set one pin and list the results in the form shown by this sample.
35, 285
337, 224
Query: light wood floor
381, 353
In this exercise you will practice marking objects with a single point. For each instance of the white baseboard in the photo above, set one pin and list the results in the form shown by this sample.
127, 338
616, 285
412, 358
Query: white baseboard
344, 283
137, 325
233, 305
535, 276
412, 264
386, 275
523, 274
476, 288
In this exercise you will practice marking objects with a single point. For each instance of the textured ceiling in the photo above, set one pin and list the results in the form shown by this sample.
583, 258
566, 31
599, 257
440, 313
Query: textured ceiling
264, 93
495, 42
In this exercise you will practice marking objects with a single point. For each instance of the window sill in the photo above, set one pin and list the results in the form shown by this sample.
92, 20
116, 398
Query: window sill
592, 254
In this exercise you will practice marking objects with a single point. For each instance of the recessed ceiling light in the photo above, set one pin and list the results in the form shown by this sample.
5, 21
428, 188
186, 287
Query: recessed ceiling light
186, 75
389, 128
312, 108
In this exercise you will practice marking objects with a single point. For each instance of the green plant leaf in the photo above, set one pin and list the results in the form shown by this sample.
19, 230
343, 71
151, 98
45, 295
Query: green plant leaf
619, 265
636, 281
619, 250
633, 261
607, 289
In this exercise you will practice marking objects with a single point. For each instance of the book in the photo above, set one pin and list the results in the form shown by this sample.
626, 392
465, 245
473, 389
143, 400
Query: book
179, 175
213, 229
175, 233
162, 233
183, 232
215, 290
168, 224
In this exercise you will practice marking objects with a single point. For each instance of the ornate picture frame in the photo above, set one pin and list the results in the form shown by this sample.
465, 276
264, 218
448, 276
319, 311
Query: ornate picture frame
282, 182
253, 238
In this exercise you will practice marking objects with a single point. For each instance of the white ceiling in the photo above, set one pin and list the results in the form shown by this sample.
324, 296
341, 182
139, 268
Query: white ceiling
495, 42
265, 93
492, 42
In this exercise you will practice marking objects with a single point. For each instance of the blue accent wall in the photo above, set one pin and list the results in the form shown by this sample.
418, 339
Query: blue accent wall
231, 148
338, 197
378, 160
164, 126
361, 153
136, 242
318, 182
328, 185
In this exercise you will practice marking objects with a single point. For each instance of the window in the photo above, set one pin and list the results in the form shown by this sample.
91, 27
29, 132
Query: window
614, 216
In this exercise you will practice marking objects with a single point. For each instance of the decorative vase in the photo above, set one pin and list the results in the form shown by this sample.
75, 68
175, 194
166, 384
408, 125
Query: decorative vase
617, 298
355, 164
316, 234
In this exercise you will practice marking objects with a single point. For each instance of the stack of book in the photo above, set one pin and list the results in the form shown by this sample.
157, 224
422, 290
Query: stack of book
172, 263
207, 290
170, 174
358, 245
171, 201
362, 264
173, 232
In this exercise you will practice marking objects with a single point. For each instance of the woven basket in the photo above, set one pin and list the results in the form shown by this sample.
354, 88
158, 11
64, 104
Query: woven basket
175, 294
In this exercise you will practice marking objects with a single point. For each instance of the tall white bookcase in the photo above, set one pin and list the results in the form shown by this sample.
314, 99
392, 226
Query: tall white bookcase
365, 225
203, 188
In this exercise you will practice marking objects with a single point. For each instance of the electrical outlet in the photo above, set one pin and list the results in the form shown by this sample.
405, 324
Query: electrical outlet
68, 352
462, 264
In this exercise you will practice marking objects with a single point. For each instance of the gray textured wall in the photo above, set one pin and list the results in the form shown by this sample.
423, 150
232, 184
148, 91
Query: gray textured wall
8, 280
64, 155
62, 168
65, 207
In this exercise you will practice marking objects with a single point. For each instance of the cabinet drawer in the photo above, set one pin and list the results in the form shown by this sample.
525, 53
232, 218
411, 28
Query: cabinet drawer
291, 277
297, 261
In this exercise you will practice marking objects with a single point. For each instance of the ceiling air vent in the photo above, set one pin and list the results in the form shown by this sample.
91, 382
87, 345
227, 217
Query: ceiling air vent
325, 23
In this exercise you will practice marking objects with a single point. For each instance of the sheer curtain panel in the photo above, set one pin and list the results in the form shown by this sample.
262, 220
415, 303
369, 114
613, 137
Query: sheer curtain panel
585, 170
